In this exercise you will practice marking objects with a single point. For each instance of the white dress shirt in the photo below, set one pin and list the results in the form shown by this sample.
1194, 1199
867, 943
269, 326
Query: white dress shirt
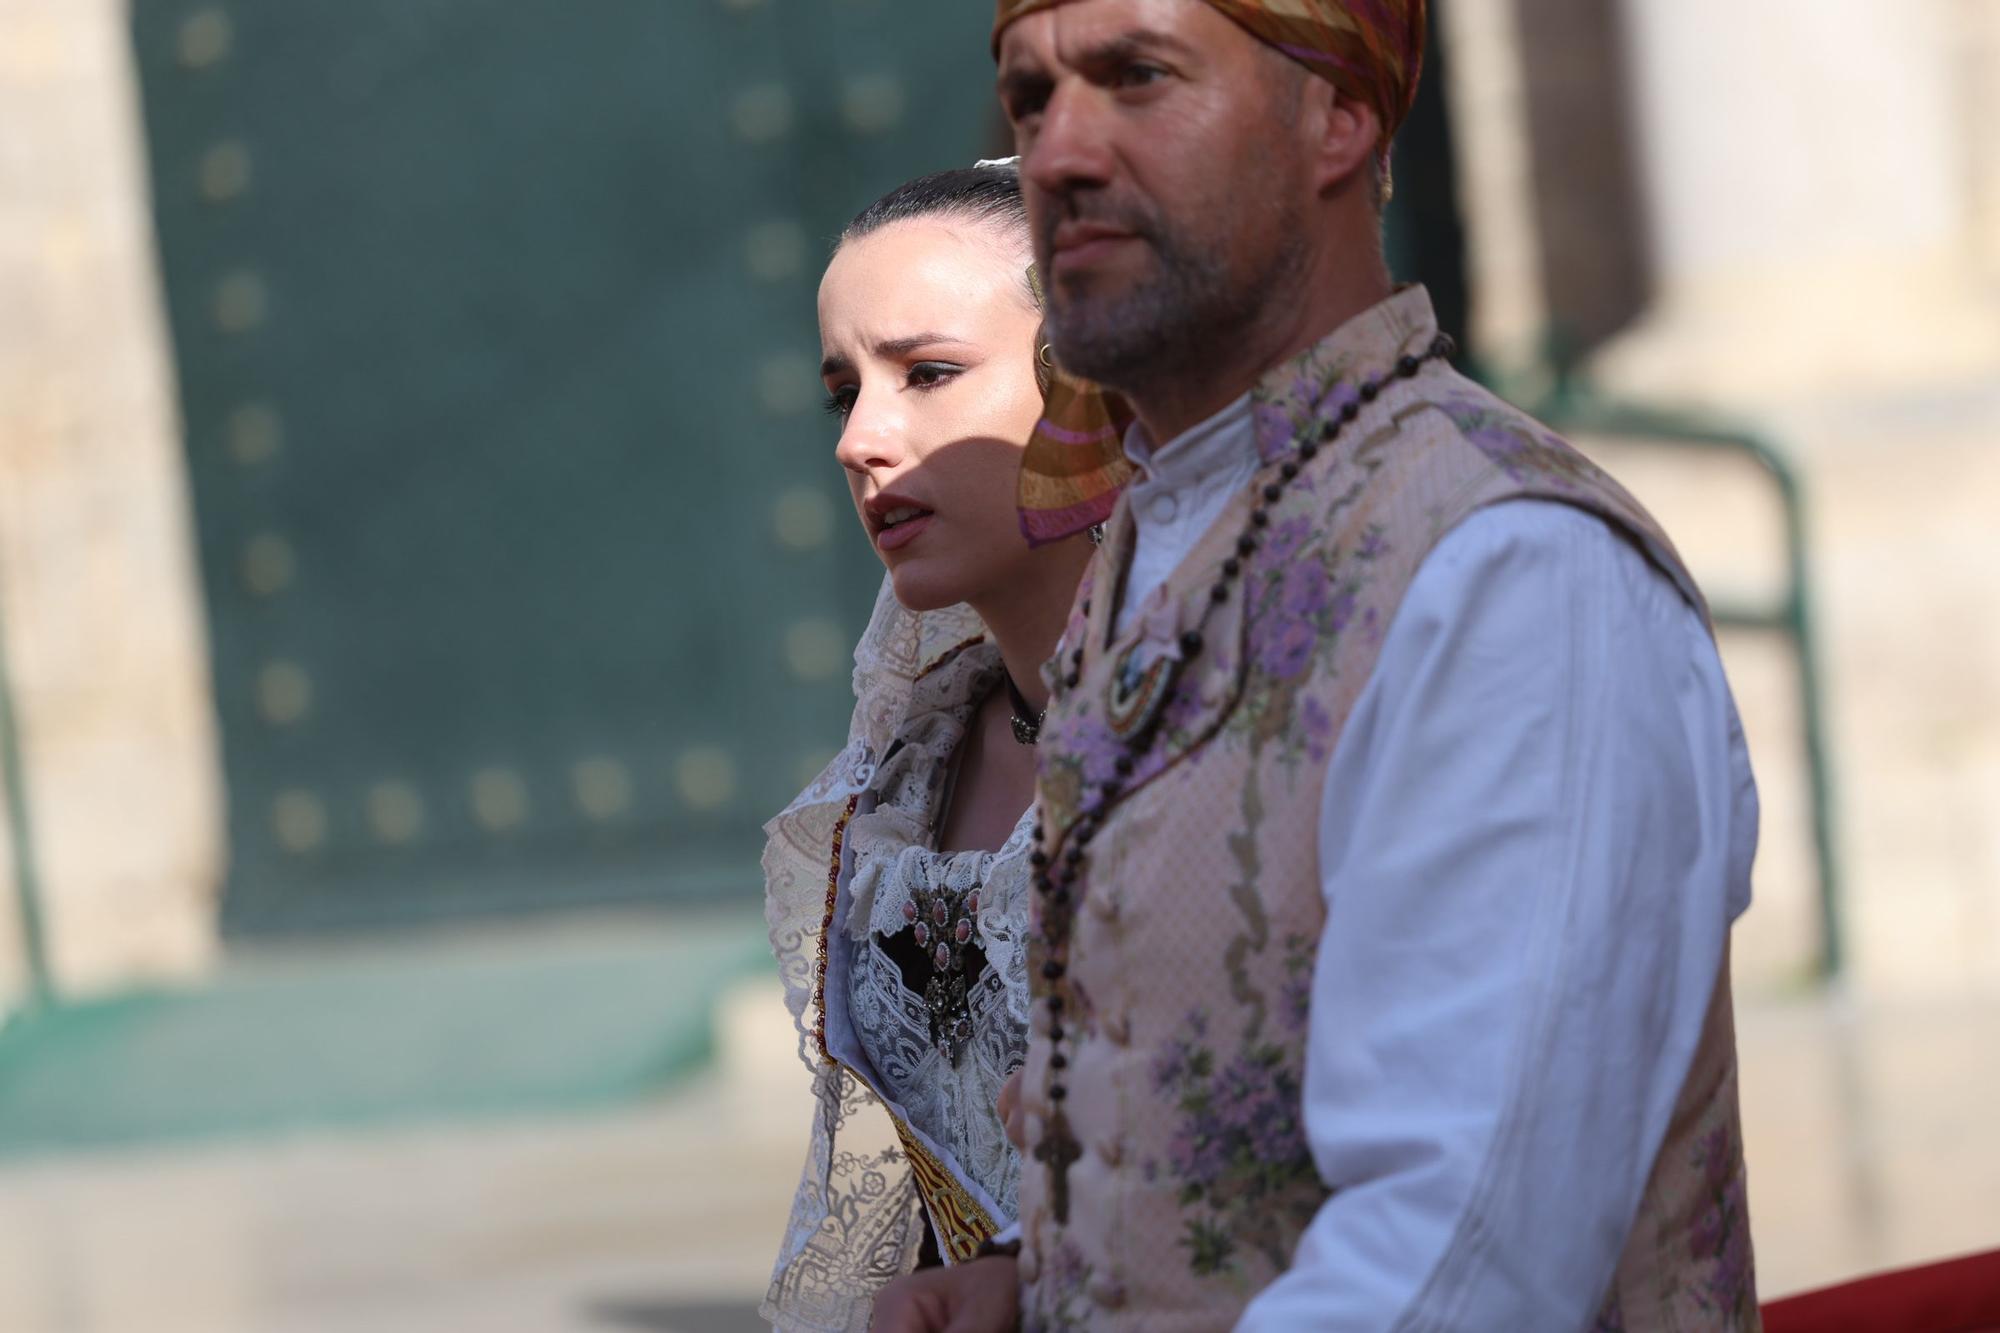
1538, 826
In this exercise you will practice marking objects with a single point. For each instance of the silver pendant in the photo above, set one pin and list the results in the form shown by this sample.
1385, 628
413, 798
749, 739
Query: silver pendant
1139, 688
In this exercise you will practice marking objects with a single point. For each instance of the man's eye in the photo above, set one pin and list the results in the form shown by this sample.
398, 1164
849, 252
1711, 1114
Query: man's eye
1139, 75
1025, 98
930, 374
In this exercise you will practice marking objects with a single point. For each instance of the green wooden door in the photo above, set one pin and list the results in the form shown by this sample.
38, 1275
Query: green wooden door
529, 572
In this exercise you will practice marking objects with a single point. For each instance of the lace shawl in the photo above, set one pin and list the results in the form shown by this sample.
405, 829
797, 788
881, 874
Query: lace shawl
856, 1221
892, 847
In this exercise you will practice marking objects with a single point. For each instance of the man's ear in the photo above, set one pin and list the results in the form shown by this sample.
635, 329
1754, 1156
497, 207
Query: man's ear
1345, 133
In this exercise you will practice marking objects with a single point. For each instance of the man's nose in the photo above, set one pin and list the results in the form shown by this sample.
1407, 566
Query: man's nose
1069, 148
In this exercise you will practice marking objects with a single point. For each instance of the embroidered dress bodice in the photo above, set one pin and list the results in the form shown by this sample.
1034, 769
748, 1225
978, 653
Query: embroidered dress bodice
942, 1063
863, 834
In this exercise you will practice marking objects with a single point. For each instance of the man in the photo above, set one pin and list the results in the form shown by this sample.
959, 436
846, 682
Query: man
1394, 807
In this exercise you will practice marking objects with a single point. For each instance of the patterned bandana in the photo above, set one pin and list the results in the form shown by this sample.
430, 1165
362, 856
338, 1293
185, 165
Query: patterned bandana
1374, 49
1371, 49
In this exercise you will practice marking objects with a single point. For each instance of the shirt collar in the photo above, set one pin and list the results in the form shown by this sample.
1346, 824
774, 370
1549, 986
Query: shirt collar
1199, 452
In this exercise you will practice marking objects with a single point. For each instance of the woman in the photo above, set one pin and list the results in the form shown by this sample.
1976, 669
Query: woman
897, 883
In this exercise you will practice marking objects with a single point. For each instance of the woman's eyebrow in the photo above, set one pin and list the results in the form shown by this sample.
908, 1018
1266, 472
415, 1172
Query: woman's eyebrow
895, 347
888, 349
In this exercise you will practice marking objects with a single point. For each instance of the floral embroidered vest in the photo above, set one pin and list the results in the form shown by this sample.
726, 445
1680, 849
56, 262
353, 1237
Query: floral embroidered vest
1201, 910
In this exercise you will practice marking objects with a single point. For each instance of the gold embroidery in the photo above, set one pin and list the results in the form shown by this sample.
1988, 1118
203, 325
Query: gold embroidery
825, 925
962, 1225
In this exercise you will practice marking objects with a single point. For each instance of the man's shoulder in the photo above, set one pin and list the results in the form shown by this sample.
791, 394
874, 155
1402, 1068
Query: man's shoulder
1456, 411
1487, 452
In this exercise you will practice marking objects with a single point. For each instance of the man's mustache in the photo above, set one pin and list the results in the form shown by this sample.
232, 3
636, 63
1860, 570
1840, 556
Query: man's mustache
1123, 214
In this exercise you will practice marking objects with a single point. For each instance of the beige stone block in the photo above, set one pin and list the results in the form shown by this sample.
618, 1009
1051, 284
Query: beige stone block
106, 652
1489, 125
1801, 244
1978, 82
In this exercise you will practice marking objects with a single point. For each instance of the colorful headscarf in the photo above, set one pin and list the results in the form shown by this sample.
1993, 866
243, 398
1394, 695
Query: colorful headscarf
1371, 49
1075, 464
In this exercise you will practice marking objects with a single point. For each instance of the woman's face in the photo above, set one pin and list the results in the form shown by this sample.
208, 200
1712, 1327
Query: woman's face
928, 337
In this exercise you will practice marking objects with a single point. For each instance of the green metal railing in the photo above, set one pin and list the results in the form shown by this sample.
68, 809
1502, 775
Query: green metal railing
1575, 410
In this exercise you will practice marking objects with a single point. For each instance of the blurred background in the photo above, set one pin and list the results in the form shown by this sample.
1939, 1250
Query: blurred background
422, 569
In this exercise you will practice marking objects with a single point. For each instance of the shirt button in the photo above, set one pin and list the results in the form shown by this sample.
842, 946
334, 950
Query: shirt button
1163, 508
1103, 906
1117, 1029
1112, 1149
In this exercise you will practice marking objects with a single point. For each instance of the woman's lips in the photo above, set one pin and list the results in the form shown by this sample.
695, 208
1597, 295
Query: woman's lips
890, 539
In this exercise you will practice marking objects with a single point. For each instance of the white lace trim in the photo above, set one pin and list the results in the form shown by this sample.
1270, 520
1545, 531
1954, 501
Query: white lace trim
894, 859
856, 1221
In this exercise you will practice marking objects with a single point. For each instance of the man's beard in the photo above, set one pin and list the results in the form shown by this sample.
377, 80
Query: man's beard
1166, 324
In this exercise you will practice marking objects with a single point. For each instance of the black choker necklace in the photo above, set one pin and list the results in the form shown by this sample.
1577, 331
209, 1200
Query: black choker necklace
1027, 722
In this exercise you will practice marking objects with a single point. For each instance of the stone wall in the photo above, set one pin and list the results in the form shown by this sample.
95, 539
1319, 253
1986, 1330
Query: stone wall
104, 643
1821, 179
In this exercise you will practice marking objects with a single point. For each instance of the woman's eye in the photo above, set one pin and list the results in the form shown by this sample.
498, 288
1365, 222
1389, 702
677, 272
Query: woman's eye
930, 374
840, 402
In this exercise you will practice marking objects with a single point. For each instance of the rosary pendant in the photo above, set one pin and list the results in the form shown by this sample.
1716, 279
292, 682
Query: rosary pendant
1057, 1150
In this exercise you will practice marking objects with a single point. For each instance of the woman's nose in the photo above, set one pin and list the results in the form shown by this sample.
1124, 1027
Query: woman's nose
871, 439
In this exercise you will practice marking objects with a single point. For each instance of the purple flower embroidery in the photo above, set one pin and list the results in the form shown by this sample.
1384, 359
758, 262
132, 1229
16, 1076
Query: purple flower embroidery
1335, 399
1317, 725
1504, 445
1295, 1003
1285, 540
1287, 653
1091, 743
1721, 1236
1183, 707
1237, 1150
1170, 1066
1304, 590
1274, 428
1517, 448
1067, 1269
1374, 544
1343, 612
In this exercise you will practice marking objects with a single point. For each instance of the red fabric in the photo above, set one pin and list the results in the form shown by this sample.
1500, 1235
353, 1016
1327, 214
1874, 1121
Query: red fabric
1957, 1296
